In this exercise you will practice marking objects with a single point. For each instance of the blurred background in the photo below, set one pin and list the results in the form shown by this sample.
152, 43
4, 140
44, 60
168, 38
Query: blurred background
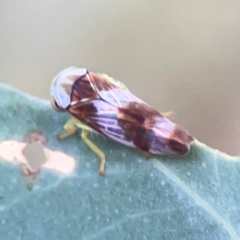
182, 56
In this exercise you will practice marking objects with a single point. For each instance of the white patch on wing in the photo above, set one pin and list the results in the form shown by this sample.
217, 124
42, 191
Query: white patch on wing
118, 97
123, 141
116, 136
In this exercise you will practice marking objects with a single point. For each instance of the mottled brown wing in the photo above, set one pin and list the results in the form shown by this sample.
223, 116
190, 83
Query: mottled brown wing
151, 132
137, 120
117, 113
111, 93
103, 118
113, 112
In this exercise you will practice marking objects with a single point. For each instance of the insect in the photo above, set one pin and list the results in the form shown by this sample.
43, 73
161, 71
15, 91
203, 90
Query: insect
101, 104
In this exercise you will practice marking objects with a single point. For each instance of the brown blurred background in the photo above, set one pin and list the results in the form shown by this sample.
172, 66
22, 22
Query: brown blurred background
177, 55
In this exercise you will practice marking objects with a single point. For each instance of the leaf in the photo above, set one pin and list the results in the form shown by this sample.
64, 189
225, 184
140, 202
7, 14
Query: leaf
194, 197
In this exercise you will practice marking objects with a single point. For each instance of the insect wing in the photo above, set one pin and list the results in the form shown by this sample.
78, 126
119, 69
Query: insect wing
113, 111
114, 81
103, 118
151, 132
112, 93
136, 126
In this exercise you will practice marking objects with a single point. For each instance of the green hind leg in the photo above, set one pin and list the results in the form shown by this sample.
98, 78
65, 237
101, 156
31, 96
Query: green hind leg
71, 128
96, 150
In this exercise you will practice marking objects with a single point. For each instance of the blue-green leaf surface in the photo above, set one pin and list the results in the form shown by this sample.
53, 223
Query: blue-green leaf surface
195, 197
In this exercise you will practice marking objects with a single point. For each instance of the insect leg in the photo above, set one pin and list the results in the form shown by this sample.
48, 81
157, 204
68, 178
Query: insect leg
96, 150
70, 129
